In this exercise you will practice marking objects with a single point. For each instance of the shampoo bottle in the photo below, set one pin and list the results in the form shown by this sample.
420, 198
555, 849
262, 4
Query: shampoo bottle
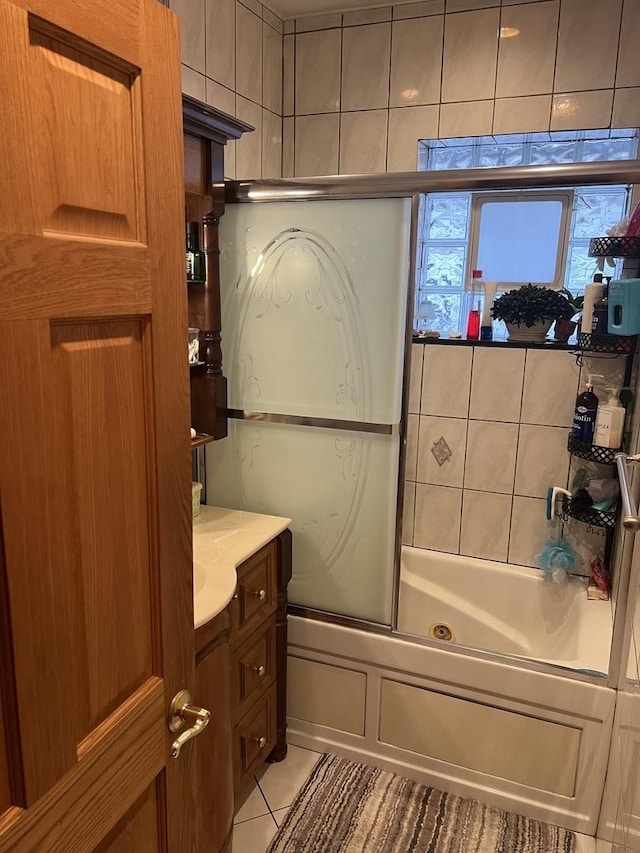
592, 293
584, 416
609, 422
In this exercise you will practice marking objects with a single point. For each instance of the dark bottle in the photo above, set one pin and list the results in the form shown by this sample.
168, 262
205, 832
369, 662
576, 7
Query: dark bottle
584, 416
195, 258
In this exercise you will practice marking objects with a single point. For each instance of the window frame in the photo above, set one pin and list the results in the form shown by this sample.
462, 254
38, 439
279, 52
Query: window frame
565, 196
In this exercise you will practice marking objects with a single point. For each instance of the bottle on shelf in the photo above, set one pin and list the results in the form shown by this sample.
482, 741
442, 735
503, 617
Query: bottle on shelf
195, 258
592, 293
473, 318
600, 321
584, 416
609, 422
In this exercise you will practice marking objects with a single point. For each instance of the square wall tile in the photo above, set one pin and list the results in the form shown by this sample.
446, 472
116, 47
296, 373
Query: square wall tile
221, 41
550, 388
522, 115
192, 24
470, 53
437, 518
529, 530
408, 509
441, 451
248, 54
543, 460
288, 169
220, 97
485, 525
406, 126
418, 10
193, 83
363, 142
579, 110
467, 5
491, 456
415, 377
366, 16
626, 107
254, 5
365, 67
445, 381
587, 45
416, 61
628, 71
249, 146
413, 425
316, 145
318, 22
474, 118
271, 145
288, 68
272, 53
496, 384
317, 75
526, 61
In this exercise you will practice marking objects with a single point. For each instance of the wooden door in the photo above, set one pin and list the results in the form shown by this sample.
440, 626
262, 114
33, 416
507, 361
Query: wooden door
96, 630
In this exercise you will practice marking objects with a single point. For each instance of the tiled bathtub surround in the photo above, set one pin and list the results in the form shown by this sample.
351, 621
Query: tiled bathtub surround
502, 416
232, 59
362, 88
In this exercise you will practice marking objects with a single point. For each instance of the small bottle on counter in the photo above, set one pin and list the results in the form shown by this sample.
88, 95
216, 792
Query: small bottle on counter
473, 318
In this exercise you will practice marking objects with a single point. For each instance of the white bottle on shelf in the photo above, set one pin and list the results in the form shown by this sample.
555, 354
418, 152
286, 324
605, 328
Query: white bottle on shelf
609, 422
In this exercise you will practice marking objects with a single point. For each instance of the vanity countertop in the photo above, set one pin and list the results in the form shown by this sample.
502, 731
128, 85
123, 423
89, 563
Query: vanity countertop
222, 540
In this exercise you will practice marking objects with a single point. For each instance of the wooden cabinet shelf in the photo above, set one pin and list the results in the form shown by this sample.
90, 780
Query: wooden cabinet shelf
199, 440
206, 132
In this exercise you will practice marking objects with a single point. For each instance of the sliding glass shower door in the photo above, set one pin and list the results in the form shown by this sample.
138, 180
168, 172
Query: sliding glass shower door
314, 301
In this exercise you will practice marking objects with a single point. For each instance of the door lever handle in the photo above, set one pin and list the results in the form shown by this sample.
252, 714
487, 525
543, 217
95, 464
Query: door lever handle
182, 712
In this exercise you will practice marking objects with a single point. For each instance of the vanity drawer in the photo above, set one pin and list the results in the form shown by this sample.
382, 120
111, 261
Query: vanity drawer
253, 738
254, 668
256, 593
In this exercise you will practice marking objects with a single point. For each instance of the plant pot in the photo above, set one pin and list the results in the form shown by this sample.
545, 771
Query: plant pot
529, 334
563, 330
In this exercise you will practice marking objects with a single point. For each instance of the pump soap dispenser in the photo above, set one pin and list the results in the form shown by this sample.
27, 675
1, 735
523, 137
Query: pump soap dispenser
610, 422
584, 416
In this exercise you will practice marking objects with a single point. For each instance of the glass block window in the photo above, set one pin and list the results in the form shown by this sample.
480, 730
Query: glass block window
447, 220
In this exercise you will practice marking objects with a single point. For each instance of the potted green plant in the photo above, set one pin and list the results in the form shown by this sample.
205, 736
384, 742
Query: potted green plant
566, 323
528, 311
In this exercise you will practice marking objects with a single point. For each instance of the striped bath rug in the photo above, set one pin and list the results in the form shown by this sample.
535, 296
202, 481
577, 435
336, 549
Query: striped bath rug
351, 808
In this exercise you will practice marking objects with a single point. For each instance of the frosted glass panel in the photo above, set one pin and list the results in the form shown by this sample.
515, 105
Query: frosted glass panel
314, 303
313, 307
340, 489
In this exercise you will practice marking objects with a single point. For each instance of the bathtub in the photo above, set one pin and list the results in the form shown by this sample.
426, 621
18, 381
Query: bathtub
503, 730
503, 608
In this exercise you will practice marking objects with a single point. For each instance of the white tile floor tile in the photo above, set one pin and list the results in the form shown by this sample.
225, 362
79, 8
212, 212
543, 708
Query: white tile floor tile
280, 815
281, 782
585, 844
253, 836
251, 804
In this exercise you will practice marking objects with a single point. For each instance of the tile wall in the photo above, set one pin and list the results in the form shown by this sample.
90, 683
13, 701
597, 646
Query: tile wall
361, 88
487, 434
232, 60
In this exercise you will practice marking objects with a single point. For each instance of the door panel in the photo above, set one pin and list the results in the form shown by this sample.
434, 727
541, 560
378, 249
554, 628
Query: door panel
96, 610
138, 829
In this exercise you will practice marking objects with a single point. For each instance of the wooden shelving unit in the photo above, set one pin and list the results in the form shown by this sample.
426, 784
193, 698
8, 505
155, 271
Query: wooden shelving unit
206, 132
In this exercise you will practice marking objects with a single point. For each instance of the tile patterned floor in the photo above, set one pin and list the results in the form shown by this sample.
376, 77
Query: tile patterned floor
264, 805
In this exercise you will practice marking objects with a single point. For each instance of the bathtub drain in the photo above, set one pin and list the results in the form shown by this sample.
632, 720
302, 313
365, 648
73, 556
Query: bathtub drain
441, 631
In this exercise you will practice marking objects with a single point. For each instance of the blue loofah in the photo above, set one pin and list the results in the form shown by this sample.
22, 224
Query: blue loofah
557, 557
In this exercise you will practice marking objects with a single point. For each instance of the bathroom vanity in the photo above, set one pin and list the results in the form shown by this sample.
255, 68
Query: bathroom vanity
242, 565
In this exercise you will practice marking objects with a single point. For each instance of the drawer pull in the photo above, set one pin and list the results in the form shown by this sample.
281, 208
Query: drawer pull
259, 670
261, 741
260, 594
